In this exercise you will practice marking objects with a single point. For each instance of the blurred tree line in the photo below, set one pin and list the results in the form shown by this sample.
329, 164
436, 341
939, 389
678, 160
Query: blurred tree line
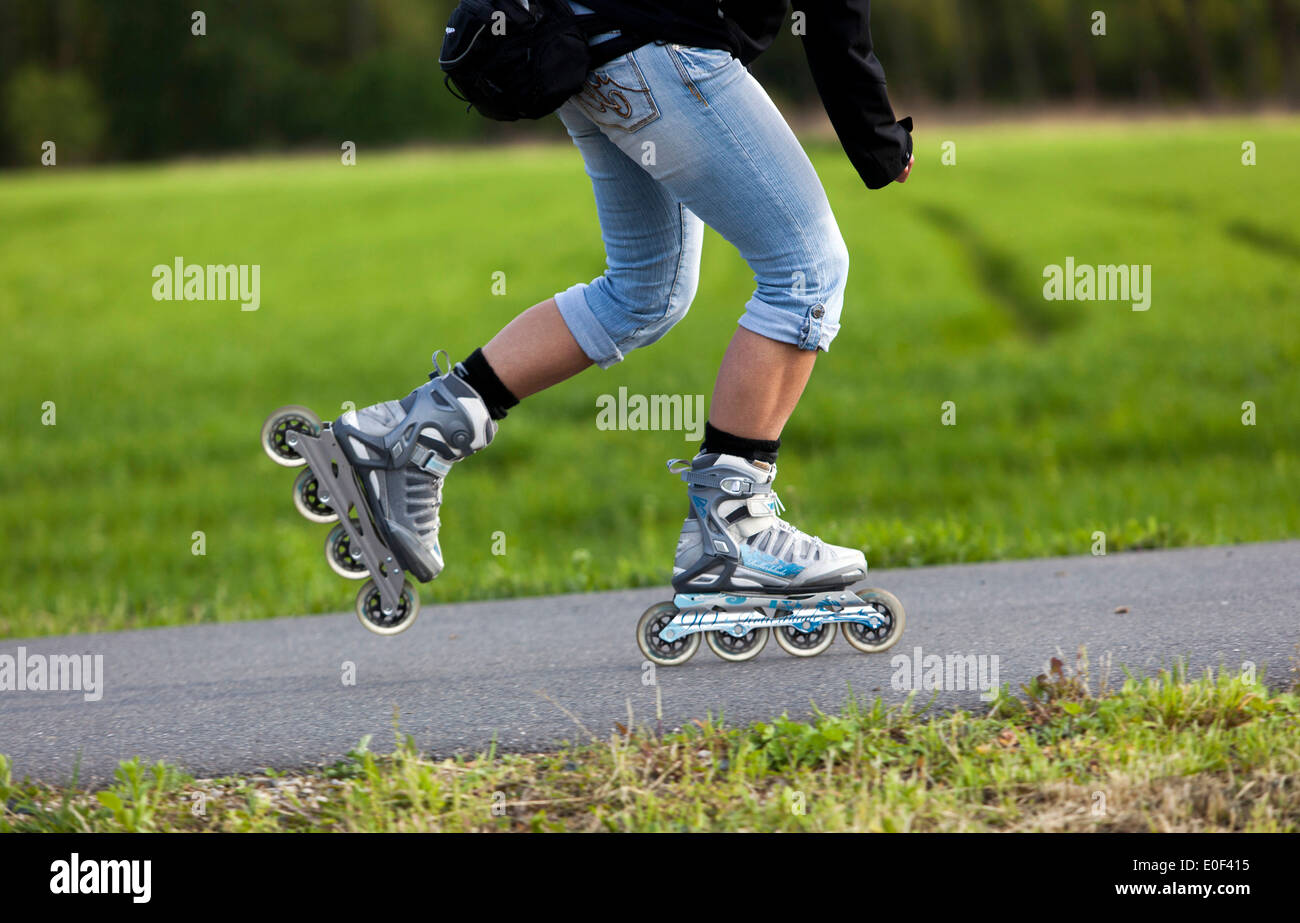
129, 79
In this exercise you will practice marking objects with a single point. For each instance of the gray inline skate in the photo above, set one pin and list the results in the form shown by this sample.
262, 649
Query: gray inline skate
741, 572
378, 473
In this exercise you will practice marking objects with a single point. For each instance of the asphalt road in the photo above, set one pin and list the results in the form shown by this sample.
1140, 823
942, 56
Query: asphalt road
533, 672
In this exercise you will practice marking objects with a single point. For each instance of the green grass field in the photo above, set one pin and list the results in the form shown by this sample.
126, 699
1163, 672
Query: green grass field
1071, 417
1067, 753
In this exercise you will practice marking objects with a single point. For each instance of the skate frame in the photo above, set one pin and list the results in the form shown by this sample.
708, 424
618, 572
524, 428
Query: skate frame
738, 615
337, 486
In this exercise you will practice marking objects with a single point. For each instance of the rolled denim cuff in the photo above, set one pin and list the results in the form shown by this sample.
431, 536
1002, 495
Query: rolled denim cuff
586, 329
813, 329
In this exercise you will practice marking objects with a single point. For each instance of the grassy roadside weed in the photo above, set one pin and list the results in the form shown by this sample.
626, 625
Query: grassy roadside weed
1163, 753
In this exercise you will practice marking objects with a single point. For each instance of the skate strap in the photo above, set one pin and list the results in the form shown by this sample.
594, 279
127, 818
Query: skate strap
758, 507
430, 460
732, 484
727, 483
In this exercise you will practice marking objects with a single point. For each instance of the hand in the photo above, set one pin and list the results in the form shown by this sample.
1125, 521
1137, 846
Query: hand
907, 170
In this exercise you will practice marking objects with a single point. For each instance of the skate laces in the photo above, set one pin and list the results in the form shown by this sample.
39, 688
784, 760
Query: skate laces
796, 535
433, 484
781, 538
810, 542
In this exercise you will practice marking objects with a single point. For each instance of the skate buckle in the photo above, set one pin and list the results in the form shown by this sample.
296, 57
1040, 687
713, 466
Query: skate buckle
736, 486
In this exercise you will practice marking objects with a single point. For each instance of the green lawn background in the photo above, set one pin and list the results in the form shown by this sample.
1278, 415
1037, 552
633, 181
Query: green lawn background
1072, 417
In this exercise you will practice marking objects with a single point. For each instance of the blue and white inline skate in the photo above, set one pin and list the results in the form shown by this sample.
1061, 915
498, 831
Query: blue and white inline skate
378, 472
741, 572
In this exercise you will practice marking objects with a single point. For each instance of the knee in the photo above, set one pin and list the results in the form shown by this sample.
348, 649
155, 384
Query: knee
831, 269
823, 321
822, 301
800, 300
812, 272
649, 303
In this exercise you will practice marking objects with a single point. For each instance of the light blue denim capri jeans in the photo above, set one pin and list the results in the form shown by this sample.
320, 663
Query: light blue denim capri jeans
676, 137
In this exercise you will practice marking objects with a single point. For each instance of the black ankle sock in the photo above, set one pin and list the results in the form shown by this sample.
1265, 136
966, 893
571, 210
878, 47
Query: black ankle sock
716, 440
478, 374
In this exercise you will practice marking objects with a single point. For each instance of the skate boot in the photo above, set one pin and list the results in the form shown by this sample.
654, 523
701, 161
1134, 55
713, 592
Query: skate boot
379, 471
402, 451
734, 539
741, 570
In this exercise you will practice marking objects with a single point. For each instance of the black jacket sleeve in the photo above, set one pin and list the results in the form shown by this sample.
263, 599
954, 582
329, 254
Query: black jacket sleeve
851, 82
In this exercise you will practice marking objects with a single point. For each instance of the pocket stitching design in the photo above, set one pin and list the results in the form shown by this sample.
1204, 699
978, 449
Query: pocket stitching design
594, 101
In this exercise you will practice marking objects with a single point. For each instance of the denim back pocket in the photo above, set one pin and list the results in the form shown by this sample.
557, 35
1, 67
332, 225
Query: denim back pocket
697, 65
616, 95
700, 62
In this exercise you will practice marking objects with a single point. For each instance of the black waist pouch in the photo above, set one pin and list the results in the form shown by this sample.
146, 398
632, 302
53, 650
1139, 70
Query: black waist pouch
514, 62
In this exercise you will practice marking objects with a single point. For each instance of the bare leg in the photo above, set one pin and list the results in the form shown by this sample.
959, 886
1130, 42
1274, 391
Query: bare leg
758, 385
535, 350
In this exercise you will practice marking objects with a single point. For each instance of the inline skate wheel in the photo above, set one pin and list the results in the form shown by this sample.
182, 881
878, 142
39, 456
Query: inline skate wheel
338, 553
874, 640
309, 501
370, 609
276, 430
798, 642
655, 648
737, 649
